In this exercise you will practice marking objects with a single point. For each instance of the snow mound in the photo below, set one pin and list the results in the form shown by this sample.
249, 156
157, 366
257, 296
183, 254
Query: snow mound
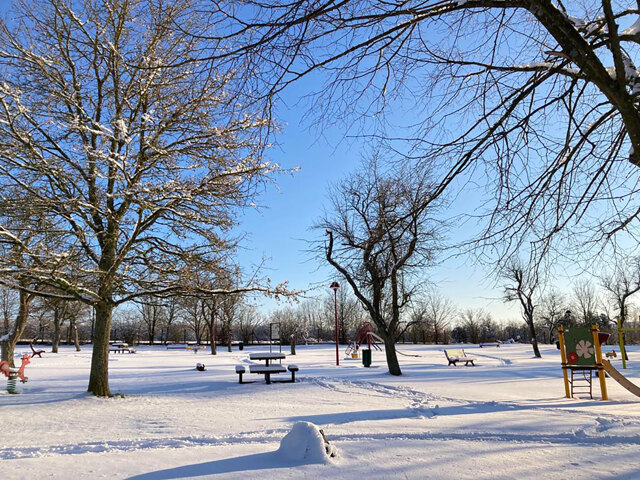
306, 443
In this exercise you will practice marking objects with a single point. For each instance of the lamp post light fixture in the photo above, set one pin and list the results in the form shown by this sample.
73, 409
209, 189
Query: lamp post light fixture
335, 286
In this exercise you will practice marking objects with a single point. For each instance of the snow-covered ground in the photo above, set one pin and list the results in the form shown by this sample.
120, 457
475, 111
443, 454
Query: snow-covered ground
506, 418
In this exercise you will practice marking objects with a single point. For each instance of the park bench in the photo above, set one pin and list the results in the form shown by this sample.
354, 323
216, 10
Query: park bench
36, 352
121, 348
455, 356
489, 344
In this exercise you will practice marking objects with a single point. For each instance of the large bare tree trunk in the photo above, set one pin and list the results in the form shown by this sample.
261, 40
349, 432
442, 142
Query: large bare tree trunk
534, 339
99, 376
392, 356
8, 344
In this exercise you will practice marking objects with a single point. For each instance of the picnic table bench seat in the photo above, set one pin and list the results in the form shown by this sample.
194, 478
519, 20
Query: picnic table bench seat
240, 370
458, 355
293, 369
489, 344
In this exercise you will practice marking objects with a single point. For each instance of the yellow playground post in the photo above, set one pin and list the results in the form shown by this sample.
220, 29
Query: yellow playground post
563, 357
601, 376
621, 332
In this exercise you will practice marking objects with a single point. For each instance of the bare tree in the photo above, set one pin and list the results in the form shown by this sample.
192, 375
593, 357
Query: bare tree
439, 312
126, 325
153, 315
193, 315
522, 286
57, 309
136, 149
621, 283
313, 313
419, 330
535, 99
212, 313
586, 298
350, 313
9, 340
248, 321
24, 226
8, 304
230, 307
171, 313
379, 236
470, 320
218, 311
550, 311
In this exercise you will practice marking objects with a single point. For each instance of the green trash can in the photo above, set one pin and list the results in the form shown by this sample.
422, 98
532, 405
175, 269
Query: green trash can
366, 357
240, 345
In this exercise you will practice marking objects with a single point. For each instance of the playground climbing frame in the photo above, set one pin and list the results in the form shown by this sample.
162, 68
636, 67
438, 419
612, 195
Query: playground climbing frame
580, 350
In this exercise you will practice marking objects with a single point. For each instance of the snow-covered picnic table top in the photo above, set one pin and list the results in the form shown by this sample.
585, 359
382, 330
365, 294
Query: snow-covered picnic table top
266, 356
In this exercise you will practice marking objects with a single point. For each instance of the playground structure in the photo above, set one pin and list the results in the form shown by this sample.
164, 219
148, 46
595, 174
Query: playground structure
581, 352
13, 374
621, 332
364, 334
195, 348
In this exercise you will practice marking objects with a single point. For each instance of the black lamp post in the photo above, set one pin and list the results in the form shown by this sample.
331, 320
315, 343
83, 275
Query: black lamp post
335, 286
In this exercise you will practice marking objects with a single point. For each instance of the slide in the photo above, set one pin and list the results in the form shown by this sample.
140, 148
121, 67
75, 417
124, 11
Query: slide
377, 338
621, 379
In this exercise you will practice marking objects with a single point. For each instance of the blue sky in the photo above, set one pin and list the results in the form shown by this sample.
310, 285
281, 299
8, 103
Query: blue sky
281, 230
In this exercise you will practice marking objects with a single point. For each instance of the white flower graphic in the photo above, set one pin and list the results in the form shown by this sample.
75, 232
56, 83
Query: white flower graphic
584, 349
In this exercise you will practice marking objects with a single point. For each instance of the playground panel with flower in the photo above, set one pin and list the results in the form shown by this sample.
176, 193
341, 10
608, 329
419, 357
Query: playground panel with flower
579, 346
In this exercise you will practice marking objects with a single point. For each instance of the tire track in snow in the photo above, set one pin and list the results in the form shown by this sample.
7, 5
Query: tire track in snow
418, 400
569, 438
275, 435
425, 405
13, 453
423, 400
504, 361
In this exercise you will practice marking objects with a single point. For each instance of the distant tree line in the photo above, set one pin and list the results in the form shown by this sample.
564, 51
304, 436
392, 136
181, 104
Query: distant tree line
431, 319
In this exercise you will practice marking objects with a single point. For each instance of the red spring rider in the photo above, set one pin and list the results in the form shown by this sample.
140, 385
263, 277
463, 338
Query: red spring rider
13, 373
